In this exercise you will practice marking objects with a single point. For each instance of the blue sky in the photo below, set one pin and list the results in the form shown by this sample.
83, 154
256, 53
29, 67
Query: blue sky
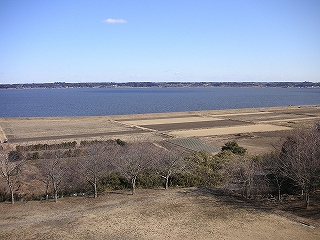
159, 41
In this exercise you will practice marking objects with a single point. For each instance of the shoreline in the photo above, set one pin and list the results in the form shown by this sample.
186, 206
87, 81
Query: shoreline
182, 113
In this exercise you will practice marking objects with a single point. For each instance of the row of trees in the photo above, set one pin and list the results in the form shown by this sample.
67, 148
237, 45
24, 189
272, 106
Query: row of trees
293, 166
298, 161
93, 163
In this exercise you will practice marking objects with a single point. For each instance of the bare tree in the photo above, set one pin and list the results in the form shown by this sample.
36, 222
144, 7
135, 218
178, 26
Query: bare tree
45, 178
94, 164
133, 159
247, 172
169, 162
299, 159
9, 170
273, 167
53, 170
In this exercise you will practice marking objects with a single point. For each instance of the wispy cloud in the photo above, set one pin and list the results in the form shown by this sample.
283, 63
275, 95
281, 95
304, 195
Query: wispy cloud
113, 21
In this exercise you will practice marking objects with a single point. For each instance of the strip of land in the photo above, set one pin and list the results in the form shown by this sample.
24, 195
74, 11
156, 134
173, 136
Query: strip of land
170, 120
191, 213
228, 130
255, 128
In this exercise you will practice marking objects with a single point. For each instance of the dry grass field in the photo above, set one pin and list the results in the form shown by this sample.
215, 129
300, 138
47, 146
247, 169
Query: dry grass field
256, 129
152, 214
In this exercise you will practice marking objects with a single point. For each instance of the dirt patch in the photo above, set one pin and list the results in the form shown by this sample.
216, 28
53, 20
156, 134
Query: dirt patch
150, 214
156, 121
228, 130
195, 125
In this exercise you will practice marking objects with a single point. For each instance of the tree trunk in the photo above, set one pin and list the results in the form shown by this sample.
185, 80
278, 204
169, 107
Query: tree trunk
307, 199
47, 195
167, 182
55, 196
248, 189
55, 191
95, 188
279, 188
47, 191
167, 179
133, 182
10, 188
11, 191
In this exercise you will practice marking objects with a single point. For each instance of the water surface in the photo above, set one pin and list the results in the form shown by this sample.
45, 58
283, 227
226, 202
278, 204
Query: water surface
119, 101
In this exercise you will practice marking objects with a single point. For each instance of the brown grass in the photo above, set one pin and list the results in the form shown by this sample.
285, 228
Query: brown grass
151, 214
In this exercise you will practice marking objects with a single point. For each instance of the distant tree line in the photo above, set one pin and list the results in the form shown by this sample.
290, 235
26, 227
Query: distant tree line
92, 167
305, 84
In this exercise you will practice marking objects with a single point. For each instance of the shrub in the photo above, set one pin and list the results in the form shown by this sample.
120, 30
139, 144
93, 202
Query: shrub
234, 148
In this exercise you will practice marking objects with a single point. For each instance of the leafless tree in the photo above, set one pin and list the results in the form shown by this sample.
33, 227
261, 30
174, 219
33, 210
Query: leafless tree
169, 162
9, 170
273, 167
133, 159
96, 160
45, 178
53, 170
299, 159
247, 172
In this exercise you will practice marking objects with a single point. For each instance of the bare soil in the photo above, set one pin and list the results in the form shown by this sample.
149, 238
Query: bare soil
192, 213
228, 130
194, 125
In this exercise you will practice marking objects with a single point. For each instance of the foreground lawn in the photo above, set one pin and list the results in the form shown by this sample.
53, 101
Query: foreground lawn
150, 214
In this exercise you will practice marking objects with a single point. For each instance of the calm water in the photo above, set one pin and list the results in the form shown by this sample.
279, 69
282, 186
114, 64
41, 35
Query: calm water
118, 101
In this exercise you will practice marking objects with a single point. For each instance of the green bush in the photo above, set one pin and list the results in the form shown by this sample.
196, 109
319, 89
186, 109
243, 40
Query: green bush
234, 148
113, 181
185, 179
149, 179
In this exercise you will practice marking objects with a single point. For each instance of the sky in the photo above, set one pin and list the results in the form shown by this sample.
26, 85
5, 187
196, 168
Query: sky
159, 41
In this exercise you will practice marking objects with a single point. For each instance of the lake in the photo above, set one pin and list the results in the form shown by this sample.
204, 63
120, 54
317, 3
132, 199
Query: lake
119, 101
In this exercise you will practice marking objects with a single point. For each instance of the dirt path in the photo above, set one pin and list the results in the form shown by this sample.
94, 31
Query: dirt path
150, 214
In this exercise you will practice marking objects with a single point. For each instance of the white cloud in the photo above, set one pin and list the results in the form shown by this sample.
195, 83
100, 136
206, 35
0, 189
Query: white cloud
112, 20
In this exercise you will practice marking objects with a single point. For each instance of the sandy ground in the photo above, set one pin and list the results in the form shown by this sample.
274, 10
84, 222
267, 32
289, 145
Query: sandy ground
151, 214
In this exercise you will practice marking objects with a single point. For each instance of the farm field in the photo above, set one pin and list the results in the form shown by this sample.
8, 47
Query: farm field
229, 130
257, 128
191, 213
